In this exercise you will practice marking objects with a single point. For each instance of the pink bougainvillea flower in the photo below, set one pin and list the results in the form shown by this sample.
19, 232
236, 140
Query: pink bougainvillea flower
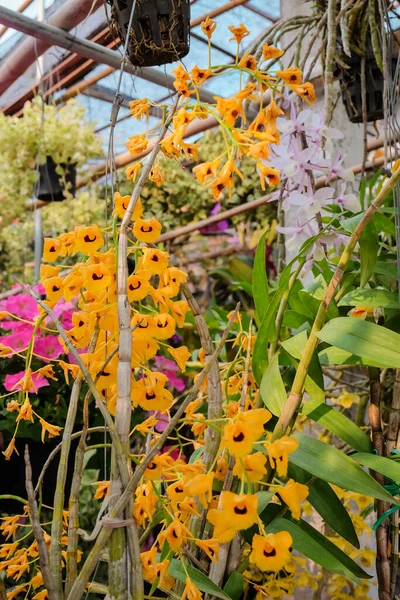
162, 422
18, 341
48, 347
11, 380
16, 326
63, 311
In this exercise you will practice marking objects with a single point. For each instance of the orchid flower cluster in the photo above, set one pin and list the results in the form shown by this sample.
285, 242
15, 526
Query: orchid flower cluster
307, 151
203, 505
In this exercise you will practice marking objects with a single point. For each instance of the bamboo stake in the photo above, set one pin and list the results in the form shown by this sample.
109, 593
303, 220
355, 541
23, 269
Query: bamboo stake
59, 496
118, 574
330, 61
38, 533
378, 442
91, 561
295, 396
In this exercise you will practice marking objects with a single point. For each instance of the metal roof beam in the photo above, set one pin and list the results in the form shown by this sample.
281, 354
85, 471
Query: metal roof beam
58, 37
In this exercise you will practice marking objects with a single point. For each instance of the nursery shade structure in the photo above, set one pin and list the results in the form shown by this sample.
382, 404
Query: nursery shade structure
88, 56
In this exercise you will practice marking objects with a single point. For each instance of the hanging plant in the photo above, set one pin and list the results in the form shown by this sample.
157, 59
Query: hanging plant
56, 181
159, 33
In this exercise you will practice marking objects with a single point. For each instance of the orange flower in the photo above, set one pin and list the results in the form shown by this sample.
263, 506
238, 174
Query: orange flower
132, 171
52, 430
305, 91
147, 230
225, 179
121, 204
208, 27
164, 326
51, 249
361, 312
54, 288
269, 52
293, 494
137, 144
238, 32
103, 488
175, 534
199, 76
156, 175
139, 108
271, 552
248, 62
97, 277
191, 592
201, 486
181, 356
88, 239
292, 75
205, 170
266, 172
210, 547
238, 512
145, 326
252, 468
155, 261
278, 452
138, 286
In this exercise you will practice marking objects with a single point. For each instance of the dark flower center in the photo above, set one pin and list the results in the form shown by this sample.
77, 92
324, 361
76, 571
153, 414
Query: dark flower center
151, 466
55, 288
96, 277
134, 287
145, 229
240, 511
239, 437
87, 238
269, 554
150, 396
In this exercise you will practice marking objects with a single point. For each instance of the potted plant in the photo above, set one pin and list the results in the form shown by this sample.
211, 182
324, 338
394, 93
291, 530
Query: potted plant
46, 144
159, 33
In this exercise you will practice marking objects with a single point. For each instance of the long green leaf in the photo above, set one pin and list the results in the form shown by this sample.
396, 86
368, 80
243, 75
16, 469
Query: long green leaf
337, 356
234, 586
332, 465
371, 299
338, 424
364, 339
323, 498
381, 464
260, 280
198, 578
369, 248
272, 388
318, 548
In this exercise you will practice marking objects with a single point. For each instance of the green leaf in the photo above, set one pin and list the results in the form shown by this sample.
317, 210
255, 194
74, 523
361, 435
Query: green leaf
260, 280
328, 505
234, 586
384, 224
323, 498
272, 388
318, 548
295, 346
369, 248
381, 464
197, 577
364, 339
332, 465
336, 356
338, 424
264, 498
387, 269
371, 299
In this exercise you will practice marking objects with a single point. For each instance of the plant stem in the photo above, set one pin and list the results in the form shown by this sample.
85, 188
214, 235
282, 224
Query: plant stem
48, 578
330, 61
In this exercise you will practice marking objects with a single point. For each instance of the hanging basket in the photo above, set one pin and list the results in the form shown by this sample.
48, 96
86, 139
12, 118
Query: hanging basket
51, 186
160, 30
350, 80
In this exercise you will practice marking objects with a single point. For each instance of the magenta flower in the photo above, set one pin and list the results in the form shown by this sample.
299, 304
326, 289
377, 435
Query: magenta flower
48, 347
38, 380
21, 305
18, 341
170, 368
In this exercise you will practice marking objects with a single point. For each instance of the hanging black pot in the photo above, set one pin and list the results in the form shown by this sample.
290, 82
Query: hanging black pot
350, 80
159, 33
51, 186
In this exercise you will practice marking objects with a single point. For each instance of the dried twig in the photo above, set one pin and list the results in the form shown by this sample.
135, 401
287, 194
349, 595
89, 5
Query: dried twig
38, 533
330, 61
